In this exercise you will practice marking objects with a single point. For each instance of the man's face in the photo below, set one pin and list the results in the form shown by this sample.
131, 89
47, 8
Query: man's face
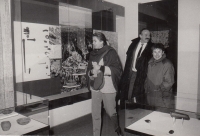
157, 53
145, 36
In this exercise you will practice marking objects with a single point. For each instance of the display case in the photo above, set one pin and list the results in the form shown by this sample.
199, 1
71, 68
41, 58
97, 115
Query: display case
50, 47
29, 117
144, 119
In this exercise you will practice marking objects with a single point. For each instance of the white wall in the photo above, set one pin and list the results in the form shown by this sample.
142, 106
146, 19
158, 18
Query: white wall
120, 29
131, 21
6, 58
188, 53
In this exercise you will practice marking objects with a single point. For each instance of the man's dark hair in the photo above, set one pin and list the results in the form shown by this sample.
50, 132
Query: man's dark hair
159, 46
143, 30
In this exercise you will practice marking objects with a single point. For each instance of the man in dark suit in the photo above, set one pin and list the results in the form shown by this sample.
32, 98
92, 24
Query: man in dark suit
135, 71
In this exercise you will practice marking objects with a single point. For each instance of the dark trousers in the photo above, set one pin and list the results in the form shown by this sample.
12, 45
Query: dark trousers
131, 85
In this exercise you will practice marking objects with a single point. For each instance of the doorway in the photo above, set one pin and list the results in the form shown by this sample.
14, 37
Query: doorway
161, 18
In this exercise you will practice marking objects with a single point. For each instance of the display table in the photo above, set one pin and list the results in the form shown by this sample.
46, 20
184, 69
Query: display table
159, 124
17, 129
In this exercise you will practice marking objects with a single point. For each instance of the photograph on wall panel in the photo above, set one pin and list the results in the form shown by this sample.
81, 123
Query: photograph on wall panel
76, 45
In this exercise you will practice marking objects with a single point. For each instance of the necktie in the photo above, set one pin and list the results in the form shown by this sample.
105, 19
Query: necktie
138, 55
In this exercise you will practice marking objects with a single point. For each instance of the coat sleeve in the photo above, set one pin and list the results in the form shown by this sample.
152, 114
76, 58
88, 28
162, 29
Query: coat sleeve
168, 77
112, 61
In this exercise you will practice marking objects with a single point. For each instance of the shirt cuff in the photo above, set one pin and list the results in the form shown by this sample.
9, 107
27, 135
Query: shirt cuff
107, 71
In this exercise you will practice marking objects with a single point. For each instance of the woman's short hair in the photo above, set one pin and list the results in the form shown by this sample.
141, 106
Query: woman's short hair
158, 46
101, 37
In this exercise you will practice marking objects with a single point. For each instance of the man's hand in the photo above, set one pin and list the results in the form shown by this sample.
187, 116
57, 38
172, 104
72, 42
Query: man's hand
118, 102
134, 100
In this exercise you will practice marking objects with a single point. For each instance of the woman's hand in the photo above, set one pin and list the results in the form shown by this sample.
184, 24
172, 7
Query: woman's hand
96, 66
94, 72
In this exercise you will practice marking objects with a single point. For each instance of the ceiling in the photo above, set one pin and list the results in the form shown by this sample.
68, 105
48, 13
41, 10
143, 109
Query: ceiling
164, 10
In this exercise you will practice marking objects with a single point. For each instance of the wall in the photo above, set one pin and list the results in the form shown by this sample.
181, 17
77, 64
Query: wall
6, 57
188, 54
131, 21
120, 29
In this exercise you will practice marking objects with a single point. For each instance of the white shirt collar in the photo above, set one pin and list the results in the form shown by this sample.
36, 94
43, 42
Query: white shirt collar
143, 43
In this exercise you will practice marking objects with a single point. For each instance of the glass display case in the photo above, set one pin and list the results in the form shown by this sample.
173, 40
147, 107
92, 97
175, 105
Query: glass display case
145, 119
30, 116
50, 47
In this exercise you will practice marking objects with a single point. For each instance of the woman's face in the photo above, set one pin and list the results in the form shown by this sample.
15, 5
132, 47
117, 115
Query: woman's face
157, 53
97, 44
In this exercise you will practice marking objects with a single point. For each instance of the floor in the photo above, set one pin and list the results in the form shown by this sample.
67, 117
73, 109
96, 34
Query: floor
83, 126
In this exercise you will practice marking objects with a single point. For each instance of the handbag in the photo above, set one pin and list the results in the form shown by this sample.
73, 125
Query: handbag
97, 83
